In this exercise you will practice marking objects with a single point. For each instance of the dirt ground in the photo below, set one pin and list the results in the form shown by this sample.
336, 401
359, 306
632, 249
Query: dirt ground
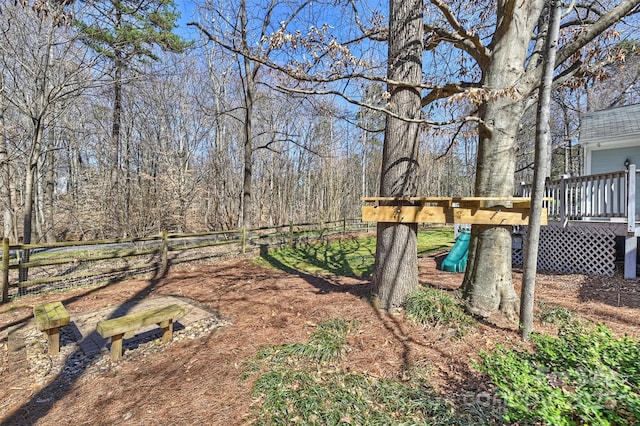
198, 380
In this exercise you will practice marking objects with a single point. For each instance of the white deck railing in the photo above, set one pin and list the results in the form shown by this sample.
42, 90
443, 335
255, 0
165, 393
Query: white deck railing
607, 195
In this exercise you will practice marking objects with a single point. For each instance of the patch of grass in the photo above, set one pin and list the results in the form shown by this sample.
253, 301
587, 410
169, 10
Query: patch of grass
326, 344
582, 376
351, 257
333, 398
433, 307
434, 240
294, 390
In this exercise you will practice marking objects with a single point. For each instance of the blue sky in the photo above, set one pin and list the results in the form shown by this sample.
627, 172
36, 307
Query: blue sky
188, 13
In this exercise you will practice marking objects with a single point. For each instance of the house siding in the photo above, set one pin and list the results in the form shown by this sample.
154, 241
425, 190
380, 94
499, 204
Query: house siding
612, 160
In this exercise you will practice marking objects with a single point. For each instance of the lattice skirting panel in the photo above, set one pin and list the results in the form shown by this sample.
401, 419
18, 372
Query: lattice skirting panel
583, 250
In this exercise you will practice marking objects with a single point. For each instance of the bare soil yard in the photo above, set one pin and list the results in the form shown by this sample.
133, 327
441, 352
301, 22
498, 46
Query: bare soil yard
198, 380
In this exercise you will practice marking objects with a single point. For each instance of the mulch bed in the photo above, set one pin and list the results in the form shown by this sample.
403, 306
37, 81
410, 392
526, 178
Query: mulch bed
197, 378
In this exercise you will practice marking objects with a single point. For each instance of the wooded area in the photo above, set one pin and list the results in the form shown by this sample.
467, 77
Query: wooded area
116, 123
178, 160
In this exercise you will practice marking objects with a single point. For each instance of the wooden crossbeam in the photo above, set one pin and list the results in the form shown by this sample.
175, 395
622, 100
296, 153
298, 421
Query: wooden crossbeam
494, 216
515, 202
406, 214
452, 215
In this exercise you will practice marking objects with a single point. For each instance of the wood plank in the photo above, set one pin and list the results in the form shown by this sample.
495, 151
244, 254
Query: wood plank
494, 216
434, 199
132, 322
469, 202
455, 199
454, 215
406, 214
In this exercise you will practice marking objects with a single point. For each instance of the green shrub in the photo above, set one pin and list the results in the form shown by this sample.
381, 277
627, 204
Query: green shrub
552, 314
583, 376
429, 306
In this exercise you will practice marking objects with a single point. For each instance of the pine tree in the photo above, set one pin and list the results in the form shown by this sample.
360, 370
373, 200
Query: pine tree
126, 32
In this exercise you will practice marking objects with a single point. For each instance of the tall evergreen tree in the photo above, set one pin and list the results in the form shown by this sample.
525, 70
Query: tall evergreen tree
126, 32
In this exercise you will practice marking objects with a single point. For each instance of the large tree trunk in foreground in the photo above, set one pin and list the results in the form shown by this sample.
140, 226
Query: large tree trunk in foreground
511, 76
396, 268
488, 284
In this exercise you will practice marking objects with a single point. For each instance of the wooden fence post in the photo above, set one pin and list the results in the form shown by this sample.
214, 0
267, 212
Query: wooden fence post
5, 270
165, 252
290, 234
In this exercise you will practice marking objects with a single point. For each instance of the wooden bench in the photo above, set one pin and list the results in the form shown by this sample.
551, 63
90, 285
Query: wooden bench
49, 318
126, 326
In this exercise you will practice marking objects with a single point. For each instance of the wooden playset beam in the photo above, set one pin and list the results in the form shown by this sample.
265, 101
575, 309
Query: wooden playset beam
453, 210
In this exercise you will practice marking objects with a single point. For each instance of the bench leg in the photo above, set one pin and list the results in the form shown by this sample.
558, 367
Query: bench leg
53, 335
116, 347
167, 330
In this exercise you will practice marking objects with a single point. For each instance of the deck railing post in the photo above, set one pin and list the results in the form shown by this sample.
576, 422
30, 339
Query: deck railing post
631, 199
631, 241
563, 201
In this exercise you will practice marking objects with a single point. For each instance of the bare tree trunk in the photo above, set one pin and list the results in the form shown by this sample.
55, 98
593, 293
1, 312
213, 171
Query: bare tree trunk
49, 189
29, 192
5, 179
396, 267
113, 208
38, 204
126, 210
247, 177
37, 119
488, 283
30, 177
249, 91
113, 201
540, 172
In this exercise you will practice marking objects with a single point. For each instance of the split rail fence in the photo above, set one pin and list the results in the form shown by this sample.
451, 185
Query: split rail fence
34, 268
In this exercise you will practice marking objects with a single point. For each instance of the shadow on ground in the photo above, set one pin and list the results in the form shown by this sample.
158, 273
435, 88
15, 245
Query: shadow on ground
43, 400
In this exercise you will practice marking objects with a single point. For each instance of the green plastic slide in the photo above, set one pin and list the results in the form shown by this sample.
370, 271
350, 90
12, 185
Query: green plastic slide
456, 260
